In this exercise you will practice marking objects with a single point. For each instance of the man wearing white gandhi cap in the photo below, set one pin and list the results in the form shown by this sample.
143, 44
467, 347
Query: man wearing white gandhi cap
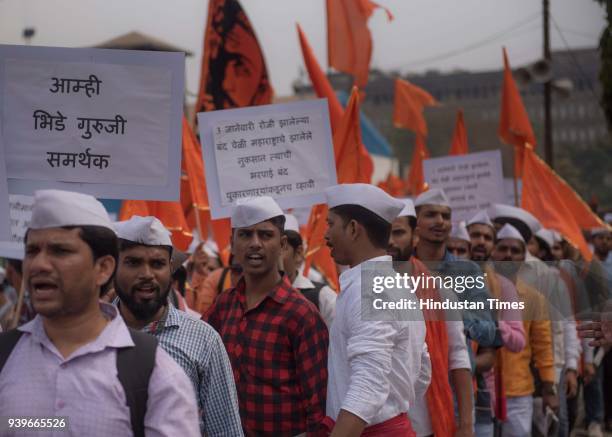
517, 377
143, 282
64, 361
373, 366
458, 242
275, 338
433, 229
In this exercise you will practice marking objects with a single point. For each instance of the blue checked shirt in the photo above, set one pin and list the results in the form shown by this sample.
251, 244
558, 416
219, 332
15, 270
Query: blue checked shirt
198, 349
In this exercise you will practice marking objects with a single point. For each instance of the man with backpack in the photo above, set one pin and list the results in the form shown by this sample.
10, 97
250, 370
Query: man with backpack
76, 361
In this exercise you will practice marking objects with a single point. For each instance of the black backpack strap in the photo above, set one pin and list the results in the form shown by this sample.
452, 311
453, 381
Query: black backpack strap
134, 368
312, 294
8, 341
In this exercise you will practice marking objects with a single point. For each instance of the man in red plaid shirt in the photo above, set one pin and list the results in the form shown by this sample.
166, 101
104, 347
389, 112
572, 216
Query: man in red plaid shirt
275, 338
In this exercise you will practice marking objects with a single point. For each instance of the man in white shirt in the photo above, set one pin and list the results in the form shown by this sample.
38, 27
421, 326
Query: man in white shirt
373, 366
401, 248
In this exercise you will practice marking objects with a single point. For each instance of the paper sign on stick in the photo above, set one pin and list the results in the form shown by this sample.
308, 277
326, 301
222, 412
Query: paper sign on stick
284, 151
472, 182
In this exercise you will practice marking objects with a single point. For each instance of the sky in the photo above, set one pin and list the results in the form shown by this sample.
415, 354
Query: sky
425, 34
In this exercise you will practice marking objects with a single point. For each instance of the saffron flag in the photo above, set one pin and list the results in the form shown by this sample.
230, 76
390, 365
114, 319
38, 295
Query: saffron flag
234, 71
410, 101
319, 81
349, 42
353, 164
415, 183
459, 145
514, 126
543, 198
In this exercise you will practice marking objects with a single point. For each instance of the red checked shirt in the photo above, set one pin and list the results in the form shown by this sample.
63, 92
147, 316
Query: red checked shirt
278, 352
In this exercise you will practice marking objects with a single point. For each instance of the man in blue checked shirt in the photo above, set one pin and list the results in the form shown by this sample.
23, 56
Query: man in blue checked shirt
143, 282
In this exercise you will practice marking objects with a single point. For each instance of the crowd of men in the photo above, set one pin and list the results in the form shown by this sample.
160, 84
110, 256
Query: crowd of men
122, 334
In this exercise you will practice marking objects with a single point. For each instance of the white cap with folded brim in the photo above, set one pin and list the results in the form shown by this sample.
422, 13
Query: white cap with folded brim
509, 232
408, 210
557, 237
599, 231
143, 230
499, 210
481, 218
460, 232
547, 236
291, 223
249, 212
367, 196
433, 196
58, 208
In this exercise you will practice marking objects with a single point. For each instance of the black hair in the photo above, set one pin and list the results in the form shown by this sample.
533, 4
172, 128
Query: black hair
411, 221
127, 244
294, 239
101, 240
377, 229
180, 275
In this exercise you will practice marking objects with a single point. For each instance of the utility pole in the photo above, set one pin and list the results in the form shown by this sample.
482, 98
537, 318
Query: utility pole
548, 141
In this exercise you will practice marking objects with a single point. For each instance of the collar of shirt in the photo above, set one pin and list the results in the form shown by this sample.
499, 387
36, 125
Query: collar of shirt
114, 335
350, 275
301, 282
170, 319
278, 294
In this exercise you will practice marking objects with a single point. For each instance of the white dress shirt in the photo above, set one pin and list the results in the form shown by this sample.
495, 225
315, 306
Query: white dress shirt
374, 366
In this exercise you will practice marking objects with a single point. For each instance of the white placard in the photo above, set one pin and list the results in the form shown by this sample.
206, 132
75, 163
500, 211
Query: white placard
102, 122
472, 182
284, 151
509, 190
20, 213
5, 228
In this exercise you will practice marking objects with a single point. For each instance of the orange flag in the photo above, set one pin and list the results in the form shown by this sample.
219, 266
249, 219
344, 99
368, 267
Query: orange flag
514, 126
349, 42
195, 190
541, 196
319, 81
415, 183
234, 71
353, 161
393, 185
353, 164
459, 145
169, 213
408, 107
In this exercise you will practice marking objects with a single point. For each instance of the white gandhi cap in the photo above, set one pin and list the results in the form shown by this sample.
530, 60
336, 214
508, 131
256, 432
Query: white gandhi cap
144, 230
57, 208
367, 196
408, 210
249, 212
433, 196
509, 232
